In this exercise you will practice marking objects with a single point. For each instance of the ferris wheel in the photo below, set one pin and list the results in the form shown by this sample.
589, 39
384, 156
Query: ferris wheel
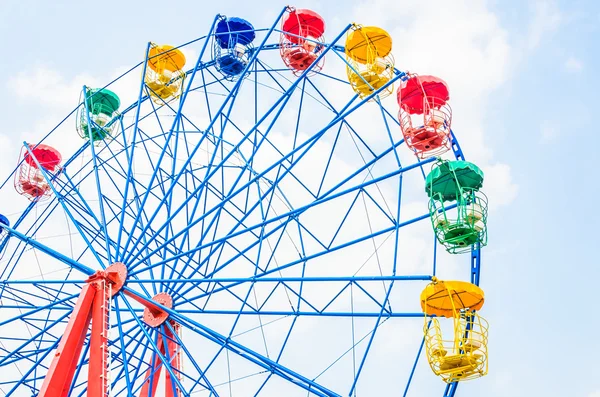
264, 219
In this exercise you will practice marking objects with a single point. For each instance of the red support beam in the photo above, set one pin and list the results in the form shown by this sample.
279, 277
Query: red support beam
154, 316
98, 367
153, 372
93, 305
148, 304
57, 382
174, 356
172, 353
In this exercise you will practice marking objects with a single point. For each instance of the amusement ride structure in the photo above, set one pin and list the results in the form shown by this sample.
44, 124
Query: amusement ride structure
243, 227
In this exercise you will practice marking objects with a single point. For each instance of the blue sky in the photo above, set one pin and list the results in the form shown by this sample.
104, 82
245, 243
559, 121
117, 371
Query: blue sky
524, 82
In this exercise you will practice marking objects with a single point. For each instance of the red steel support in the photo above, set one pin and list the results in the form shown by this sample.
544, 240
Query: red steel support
154, 369
174, 357
98, 366
60, 374
92, 306
153, 315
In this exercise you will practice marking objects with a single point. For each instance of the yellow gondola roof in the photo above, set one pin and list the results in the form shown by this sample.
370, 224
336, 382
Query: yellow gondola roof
165, 57
366, 43
446, 298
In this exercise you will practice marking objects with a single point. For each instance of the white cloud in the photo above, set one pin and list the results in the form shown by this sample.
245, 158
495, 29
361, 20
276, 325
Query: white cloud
573, 65
594, 394
546, 19
49, 87
464, 43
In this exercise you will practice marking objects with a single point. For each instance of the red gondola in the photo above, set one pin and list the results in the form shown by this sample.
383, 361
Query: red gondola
301, 40
29, 180
425, 115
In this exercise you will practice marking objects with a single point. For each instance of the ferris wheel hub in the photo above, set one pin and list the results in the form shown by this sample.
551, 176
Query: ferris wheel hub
154, 315
115, 275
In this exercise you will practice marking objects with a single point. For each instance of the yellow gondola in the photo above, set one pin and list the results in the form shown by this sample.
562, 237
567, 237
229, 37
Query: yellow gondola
370, 63
464, 356
164, 74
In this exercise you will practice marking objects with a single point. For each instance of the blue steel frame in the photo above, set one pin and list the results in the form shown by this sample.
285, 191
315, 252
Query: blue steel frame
161, 258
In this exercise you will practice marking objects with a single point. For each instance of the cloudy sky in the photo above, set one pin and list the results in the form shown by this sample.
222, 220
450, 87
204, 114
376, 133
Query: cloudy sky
523, 77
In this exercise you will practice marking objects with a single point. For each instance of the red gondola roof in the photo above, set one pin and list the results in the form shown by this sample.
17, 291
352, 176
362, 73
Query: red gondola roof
305, 19
413, 91
47, 156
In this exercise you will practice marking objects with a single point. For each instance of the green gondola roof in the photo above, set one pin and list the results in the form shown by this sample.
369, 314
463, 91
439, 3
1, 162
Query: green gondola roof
448, 176
102, 101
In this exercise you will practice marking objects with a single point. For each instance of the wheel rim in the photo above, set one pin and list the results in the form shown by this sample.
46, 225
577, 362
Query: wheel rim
235, 220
